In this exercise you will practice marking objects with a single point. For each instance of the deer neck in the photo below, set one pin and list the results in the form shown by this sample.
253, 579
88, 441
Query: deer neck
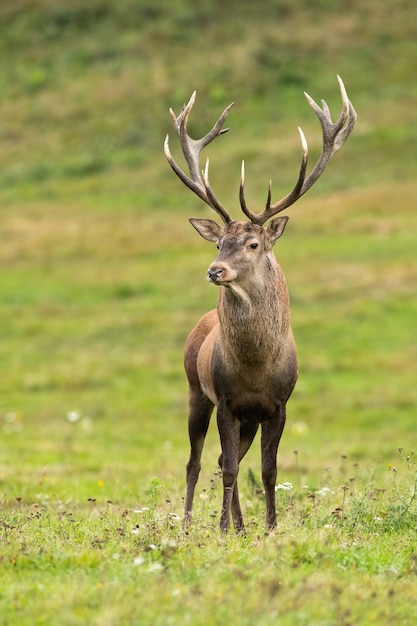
254, 316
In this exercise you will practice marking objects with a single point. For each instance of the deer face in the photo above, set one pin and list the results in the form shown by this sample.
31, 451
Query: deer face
241, 245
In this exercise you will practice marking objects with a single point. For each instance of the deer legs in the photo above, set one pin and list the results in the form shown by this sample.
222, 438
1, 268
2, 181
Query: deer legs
236, 438
248, 430
270, 438
234, 450
229, 431
199, 418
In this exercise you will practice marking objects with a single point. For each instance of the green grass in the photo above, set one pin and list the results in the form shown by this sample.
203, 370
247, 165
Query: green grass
103, 277
131, 563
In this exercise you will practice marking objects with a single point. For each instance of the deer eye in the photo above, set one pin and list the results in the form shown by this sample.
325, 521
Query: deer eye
254, 245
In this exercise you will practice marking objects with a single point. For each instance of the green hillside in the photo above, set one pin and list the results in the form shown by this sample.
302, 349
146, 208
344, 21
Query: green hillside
85, 87
101, 267
103, 277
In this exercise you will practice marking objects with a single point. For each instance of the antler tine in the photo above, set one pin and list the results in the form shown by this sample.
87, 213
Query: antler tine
334, 136
191, 149
242, 199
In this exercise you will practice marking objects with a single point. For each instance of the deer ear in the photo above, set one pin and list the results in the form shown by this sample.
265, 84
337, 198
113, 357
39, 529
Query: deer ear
207, 228
276, 227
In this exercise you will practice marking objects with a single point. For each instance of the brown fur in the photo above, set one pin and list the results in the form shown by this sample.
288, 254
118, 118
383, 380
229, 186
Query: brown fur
241, 359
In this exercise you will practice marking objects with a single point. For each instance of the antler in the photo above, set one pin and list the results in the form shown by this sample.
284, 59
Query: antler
334, 136
191, 149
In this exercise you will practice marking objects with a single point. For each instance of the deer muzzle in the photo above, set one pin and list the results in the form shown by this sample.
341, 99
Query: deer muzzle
220, 273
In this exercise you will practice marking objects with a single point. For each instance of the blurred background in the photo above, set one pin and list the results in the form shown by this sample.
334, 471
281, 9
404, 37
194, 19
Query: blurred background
102, 276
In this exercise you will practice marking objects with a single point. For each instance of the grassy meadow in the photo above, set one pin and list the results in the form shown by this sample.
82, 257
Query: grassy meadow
102, 278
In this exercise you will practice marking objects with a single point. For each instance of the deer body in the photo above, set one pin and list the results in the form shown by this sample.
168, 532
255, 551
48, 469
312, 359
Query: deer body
250, 342
241, 357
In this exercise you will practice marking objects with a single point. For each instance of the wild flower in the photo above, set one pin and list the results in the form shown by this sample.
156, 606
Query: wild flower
155, 567
43, 499
324, 491
73, 416
284, 487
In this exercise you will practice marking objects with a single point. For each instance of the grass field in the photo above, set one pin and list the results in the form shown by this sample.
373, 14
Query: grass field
103, 277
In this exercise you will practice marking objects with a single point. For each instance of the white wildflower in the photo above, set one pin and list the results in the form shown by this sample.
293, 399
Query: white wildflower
324, 491
155, 567
284, 487
73, 416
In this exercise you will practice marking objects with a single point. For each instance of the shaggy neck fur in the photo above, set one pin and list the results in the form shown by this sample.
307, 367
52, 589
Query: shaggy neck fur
254, 316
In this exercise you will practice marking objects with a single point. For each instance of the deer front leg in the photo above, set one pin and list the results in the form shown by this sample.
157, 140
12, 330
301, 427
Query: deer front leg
200, 409
271, 435
248, 430
236, 510
229, 431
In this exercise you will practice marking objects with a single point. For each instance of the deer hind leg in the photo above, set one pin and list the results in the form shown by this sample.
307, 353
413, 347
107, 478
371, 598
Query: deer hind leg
248, 430
271, 435
200, 410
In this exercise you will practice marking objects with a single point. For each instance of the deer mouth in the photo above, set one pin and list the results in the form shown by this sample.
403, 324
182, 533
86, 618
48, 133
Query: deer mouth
219, 281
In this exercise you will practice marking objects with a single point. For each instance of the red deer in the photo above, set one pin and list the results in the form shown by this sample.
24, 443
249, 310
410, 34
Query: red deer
241, 357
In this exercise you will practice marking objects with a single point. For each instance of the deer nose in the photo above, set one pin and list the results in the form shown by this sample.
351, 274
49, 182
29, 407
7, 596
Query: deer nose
214, 273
